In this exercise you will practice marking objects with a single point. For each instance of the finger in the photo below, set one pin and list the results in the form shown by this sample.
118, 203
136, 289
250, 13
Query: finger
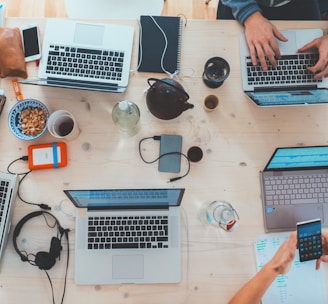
261, 57
308, 46
324, 258
253, 54
317, 264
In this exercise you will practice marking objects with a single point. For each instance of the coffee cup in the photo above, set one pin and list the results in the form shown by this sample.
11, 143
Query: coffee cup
211, 102
62, 124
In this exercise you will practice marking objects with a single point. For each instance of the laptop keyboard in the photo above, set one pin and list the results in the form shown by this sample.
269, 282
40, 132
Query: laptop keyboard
86, 63
124, 232
3, 195
291, 69
280, 190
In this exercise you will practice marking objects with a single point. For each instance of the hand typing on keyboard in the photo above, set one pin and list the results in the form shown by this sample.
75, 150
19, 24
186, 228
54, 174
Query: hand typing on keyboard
261, 37
320, 69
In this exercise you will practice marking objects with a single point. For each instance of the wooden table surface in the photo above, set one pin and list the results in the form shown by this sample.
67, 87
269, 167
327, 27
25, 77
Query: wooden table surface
237, 139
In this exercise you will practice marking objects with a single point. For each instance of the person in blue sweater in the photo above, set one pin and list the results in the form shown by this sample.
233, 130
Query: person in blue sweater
261, 34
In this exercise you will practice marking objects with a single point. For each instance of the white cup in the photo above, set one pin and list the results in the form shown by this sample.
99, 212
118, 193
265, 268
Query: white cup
62, 124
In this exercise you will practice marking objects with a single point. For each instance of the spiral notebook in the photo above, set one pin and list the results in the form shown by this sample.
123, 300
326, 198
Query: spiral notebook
159, 45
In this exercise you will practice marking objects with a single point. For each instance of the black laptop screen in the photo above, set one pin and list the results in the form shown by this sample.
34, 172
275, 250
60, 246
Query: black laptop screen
125, 198
299, 157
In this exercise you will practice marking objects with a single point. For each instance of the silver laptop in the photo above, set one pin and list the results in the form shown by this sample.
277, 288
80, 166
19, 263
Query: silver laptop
8, 192
294, 187
290, 83
127, 235
82, 55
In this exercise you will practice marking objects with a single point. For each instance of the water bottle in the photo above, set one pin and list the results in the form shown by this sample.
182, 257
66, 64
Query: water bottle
126, 116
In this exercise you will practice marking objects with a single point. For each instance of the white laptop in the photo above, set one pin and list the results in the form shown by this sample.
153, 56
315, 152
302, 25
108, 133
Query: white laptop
127, 235
8, 192
83, 55
290, 83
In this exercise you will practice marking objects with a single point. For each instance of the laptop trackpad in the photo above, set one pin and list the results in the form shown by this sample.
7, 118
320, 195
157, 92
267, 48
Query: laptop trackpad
128, 267
290, 46
307, 212
89, 34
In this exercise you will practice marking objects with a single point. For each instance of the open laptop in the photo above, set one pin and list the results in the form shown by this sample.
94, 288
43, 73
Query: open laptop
294, 187
83, 55
8, 192
127, 235
290, 83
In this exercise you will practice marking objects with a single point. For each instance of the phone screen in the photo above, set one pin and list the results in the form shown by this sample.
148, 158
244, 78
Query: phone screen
309, 240
31, 41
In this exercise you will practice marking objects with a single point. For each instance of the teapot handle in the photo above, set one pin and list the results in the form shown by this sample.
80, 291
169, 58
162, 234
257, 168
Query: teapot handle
170, 84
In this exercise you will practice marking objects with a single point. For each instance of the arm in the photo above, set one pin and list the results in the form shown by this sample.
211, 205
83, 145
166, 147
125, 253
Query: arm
320, 69
242, 9
260, 33
253, 291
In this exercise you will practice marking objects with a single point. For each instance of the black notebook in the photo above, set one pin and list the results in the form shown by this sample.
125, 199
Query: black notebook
153, 46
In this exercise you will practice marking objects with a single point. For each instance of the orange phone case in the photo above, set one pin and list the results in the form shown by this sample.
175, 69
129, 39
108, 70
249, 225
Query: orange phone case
47, 156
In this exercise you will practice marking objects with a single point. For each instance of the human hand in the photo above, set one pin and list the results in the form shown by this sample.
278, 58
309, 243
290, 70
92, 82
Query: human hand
324, 257
261, 37
284, 256
320, 69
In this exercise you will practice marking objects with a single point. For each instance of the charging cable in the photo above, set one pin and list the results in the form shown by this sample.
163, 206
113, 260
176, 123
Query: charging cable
158, 137
24, 174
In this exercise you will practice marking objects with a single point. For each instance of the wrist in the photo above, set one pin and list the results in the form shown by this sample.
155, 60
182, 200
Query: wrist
254, 18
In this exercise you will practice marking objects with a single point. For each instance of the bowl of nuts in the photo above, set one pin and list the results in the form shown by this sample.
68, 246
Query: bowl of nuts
28, 119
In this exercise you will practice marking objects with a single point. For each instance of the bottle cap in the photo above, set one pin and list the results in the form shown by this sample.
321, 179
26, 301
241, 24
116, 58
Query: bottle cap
123, 105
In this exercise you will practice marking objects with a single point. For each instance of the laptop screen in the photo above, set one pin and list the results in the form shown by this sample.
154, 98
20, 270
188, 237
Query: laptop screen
299, 157
125, 198
289, 97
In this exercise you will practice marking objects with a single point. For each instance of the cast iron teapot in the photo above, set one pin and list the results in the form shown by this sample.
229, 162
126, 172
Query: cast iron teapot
166, 98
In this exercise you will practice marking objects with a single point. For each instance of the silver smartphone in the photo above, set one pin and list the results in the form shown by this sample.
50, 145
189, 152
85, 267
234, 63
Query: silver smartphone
31, 42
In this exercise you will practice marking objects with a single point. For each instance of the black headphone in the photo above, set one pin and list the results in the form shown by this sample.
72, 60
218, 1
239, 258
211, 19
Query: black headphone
44, 260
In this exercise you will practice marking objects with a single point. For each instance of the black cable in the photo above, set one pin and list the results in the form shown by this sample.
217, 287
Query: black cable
158, 137
24, 158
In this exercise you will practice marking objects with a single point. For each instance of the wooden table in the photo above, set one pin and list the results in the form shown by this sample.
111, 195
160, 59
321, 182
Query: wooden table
237, 140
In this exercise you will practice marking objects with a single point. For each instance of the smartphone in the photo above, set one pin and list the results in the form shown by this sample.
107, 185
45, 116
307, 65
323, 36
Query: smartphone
309, 240
31, 42
170, 162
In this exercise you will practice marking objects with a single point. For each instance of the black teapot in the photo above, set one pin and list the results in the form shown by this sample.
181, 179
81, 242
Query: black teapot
166, 98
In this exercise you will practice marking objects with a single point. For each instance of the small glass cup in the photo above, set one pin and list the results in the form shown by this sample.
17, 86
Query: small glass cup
222, 214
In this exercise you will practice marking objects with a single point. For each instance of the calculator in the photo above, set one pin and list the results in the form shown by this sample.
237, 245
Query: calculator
309, 240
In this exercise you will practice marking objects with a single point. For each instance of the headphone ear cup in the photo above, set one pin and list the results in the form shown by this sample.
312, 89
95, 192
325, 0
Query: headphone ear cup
44, 260
55, 247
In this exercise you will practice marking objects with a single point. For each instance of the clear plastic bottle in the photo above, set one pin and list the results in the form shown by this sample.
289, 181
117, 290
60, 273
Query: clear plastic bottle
126, 116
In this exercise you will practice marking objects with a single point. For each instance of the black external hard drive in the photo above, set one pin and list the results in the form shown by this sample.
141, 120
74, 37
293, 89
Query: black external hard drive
170, 162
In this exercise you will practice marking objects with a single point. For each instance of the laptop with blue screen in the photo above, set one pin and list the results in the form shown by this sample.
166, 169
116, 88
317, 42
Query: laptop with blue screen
294, 187
127, 235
